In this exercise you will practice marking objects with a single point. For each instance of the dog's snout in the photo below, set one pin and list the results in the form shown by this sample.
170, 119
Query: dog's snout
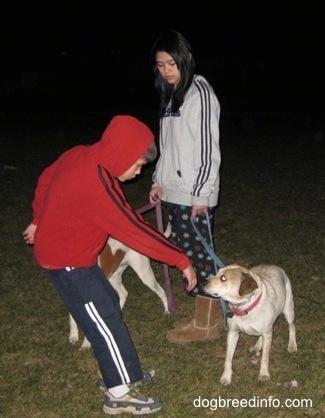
206, 288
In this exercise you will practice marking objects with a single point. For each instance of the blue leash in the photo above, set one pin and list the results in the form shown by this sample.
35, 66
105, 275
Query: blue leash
218, 263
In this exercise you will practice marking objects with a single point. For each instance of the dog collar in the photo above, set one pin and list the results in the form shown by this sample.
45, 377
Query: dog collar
241, 312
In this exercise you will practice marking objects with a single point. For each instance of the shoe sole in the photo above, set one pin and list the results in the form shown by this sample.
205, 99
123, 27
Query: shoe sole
130, 410
132, 403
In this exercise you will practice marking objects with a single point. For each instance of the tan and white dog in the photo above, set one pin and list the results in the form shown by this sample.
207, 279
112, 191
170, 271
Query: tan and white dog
114, 259
257, 297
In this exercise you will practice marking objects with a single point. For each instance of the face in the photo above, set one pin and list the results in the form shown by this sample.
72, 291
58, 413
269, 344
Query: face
134, 170
168, 68
231, 283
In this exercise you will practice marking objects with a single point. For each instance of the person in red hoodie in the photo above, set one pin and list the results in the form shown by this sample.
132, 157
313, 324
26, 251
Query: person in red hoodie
78, 203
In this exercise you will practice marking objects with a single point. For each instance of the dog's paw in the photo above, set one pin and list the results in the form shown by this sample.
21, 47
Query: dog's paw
255, 351
85, 345
73, 339
263, 377
292, 347
225, 380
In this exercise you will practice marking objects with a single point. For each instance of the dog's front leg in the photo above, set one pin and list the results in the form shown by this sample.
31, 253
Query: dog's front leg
85, 345
116, 281
266, 349
74, 333
232, 340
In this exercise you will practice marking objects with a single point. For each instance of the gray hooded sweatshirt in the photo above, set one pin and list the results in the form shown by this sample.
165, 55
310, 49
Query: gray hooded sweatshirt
189, 162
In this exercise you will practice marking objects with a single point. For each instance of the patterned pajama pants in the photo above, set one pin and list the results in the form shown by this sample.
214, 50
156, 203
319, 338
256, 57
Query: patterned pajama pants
185, 237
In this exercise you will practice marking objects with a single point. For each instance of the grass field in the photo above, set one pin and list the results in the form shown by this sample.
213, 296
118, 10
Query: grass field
271, 210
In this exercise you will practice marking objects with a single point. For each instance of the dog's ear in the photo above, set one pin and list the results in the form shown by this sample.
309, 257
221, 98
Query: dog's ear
248, 284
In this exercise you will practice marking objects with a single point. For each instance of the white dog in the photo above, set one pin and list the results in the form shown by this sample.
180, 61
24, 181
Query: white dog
114, 259
257, 297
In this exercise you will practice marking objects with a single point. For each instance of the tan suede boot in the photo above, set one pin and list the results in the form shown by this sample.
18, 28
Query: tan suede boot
183, 322
205, 325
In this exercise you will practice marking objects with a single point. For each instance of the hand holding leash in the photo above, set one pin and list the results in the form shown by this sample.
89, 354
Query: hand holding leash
155, 195
198, 210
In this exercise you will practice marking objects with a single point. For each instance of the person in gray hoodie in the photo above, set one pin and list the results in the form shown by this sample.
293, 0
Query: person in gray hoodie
186, 178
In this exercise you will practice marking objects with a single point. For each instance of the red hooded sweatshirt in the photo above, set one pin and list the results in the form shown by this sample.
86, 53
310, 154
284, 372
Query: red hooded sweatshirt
79, 202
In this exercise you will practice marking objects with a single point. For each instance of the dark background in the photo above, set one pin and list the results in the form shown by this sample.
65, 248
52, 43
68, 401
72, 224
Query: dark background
260, 56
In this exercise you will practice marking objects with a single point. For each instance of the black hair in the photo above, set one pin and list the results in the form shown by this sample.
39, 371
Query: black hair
151, 153
178, 47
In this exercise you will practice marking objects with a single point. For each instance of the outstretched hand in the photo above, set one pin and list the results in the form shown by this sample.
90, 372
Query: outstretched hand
190, 275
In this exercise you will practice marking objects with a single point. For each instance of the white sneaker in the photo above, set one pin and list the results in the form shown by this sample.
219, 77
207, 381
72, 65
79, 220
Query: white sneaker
132, 402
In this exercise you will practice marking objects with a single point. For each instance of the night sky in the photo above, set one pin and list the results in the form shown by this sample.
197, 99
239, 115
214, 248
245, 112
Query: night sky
259, 55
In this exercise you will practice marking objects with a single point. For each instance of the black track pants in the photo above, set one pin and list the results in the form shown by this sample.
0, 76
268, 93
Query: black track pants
94, 304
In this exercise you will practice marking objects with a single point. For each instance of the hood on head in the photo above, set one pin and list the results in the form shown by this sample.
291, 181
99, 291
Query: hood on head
123, 142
